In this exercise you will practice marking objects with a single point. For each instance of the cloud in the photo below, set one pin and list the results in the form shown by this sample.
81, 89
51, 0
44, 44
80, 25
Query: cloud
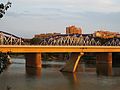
103, 6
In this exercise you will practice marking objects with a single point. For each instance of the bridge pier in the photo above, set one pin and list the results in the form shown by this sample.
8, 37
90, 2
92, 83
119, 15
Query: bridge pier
104, 58
33, 60
71, 65
104, 63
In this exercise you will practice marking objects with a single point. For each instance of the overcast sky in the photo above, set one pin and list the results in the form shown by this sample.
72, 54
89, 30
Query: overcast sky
28, 17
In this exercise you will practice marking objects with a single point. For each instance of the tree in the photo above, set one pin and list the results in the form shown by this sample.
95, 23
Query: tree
4, 8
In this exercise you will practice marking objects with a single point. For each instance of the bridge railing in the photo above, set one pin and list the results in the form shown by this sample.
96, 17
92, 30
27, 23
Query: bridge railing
81, 40
10, 39
63, 40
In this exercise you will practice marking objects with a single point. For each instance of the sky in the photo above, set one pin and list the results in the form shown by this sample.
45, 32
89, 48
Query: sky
29, 17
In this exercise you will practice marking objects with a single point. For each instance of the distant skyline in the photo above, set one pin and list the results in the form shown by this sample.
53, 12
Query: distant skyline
28, 17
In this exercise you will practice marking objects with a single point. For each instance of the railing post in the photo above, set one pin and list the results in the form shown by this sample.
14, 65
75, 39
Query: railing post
1, 38
20, 41
11, 40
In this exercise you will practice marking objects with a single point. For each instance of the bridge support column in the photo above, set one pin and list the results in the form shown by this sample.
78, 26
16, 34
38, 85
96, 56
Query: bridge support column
104, 58
104, 64
71, 65
33, 60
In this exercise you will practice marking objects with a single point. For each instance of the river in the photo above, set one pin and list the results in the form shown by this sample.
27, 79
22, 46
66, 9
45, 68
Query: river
17, 77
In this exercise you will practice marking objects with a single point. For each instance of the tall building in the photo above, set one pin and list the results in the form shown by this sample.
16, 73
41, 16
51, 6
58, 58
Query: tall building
73, 30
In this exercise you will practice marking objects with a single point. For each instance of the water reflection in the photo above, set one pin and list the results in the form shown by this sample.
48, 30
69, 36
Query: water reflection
73, 80
116, 71
107, 70
100, 69
104, 69
33, 72
16, 77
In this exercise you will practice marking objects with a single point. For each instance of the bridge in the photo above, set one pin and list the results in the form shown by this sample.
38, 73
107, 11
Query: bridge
77, 45
11, 39
45, 49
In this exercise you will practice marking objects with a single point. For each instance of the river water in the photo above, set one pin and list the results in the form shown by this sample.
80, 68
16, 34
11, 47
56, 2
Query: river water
17, 77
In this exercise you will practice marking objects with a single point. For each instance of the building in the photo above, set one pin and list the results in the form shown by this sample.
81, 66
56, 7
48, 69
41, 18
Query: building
46, 35
106, 34
73, 30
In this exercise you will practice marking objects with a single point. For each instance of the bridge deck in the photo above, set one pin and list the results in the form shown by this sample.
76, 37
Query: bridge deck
35, 49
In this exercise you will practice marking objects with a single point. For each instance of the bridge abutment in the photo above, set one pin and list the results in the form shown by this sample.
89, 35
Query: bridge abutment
33, 60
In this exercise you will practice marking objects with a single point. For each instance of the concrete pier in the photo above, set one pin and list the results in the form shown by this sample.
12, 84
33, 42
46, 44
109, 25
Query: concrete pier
104, 63
33, 60
104, 57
